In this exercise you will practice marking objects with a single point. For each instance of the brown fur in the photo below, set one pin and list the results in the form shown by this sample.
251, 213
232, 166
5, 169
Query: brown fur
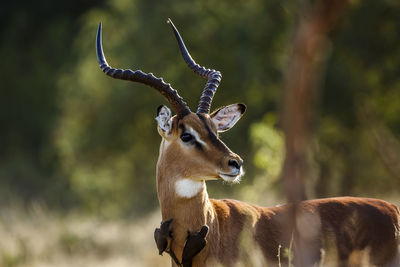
353, 223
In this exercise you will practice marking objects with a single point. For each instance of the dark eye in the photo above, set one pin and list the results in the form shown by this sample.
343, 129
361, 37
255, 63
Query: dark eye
186, 137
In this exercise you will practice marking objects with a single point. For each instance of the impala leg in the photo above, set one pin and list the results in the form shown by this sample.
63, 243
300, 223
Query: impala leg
310, 253
387, 255
396, 260
343, 252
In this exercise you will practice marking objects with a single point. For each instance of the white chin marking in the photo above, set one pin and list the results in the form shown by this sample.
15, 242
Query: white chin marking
188, 188
231, 179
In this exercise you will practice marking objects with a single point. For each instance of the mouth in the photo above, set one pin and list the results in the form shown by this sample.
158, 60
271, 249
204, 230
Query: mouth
233, 177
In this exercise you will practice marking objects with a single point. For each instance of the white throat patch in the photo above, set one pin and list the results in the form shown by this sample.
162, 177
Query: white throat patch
188, 188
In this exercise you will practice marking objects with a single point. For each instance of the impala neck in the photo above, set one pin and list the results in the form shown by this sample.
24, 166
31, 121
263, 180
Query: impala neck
188, 214
180, 198
192, 210
185, 201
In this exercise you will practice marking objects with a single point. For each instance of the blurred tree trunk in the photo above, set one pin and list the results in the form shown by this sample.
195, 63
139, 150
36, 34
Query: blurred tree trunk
305, 69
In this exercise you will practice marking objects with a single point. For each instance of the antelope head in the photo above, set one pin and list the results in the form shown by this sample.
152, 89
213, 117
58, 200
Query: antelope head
191, 150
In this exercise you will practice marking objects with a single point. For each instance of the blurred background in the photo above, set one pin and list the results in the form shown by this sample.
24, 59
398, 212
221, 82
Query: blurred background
78, 149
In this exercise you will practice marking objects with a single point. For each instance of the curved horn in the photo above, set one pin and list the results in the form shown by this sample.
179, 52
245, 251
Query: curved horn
213, 76
177, 103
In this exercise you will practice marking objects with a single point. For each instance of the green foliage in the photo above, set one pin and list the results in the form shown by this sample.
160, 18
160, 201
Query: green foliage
108, 148
73, 137
361, 93
269, 150
269, 145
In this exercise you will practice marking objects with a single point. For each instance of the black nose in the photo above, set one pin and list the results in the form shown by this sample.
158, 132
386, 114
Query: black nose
234, 163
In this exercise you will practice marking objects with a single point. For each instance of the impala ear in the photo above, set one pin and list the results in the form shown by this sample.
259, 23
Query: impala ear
224, 118
164, 120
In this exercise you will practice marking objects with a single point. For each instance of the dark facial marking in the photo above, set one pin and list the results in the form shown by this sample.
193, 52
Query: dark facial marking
213, 138
182, 127
196, 144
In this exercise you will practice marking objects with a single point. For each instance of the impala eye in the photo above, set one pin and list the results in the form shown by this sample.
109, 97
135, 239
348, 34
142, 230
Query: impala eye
186, 137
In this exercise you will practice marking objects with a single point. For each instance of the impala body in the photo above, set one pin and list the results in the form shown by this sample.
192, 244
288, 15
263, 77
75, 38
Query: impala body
238, 228
191, 153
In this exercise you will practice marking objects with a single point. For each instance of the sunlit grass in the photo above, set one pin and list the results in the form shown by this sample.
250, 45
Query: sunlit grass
40, 238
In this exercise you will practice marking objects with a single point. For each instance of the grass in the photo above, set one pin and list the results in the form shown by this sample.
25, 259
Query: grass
40, 238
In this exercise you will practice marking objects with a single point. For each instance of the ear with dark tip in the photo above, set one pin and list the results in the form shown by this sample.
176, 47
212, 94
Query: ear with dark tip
164, 119
226, 117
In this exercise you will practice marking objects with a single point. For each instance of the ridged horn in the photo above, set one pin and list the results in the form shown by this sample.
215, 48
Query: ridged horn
177, 103
213, 76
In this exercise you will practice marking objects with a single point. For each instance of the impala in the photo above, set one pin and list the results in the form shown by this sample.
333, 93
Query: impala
192, 153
